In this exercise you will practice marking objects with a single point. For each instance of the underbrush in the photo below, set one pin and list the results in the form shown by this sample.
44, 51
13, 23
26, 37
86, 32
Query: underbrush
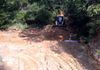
21, 26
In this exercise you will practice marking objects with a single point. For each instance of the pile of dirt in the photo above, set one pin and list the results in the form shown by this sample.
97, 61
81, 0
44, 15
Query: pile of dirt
49, 32
55, 33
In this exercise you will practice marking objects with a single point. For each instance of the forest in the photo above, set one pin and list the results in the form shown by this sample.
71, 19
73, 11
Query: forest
83, 15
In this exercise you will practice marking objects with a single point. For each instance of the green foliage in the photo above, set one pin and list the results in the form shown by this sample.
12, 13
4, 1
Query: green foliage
19, 17
44, 17
84, 19
20, 14
93, 27
93, 12
78, 16
18, 26
32, 11
93, 9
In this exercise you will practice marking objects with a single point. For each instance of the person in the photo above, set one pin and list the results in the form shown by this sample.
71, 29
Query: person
59, 19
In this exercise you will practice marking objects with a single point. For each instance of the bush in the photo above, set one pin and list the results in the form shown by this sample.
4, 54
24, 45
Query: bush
93, 27
44, 17
32, 11
78, 17
18, 26
93, 10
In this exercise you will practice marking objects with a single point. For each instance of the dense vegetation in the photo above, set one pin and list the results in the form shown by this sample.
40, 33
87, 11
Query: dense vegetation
84, 15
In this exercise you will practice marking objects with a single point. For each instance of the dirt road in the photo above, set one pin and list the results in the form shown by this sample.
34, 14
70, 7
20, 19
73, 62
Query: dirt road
16, 53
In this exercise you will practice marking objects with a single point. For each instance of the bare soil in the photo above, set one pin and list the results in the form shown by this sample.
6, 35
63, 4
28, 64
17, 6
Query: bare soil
21, 52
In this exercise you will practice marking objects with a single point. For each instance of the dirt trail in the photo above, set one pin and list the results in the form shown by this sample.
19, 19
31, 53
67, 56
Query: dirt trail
19, 54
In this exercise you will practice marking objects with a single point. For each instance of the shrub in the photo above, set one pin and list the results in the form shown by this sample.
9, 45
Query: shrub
44, 17
18, 26
93, 10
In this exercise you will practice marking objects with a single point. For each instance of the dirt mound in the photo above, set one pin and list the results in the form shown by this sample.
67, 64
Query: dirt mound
54, 33
18, 54
47, 33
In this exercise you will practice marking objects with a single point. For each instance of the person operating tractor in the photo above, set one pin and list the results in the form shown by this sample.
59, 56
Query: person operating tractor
59, 19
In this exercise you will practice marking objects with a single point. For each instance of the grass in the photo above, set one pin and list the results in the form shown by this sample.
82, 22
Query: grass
18, 26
